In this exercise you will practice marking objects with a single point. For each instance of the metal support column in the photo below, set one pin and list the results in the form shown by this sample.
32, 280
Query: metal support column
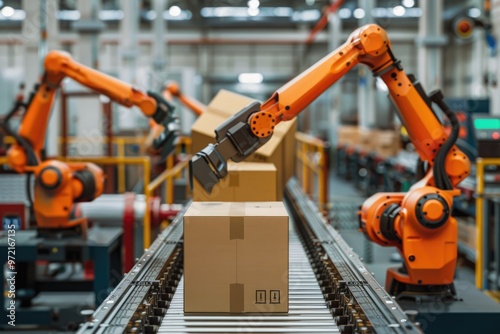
160, 29
129, 27
333, 97
87, 52
430, 41
366, 97
495, 91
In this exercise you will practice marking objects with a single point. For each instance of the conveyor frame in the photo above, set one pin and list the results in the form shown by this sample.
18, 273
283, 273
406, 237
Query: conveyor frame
356, 301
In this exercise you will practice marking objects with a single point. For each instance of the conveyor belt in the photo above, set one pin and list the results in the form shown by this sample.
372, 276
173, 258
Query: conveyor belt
330, 288
308, 312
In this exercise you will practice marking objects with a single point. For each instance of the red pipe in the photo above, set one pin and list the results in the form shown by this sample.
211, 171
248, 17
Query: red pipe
128, 232
323, 21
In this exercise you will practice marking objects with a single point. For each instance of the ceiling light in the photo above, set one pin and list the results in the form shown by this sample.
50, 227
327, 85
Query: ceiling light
253, 11
310, 15
68, 15
7, 11
359, 13
183, 16
399, 11
150, 15
253, 4
310, 2
408, 3
381, 85
111, 15
250, 78
344, 13
474, 12
282, 11
174, 11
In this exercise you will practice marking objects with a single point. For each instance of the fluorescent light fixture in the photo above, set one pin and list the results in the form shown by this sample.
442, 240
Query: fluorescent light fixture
230, 11
250, 78
474, 12
408, 3
381, 12
359, 13
344, 13
253, 4
381, 85
111, 15
174, 11
150, 15
310, 2
399, 11
17, 15
7, 11
183, 16
253, 11
282, 11
310, 15
241, 12
68, 15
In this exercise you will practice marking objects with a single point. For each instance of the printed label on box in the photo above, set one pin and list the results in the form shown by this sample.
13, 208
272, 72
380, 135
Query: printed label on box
260, 296
275, 297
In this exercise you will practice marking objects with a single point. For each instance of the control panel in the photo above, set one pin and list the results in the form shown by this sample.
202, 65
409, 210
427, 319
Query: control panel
487, 135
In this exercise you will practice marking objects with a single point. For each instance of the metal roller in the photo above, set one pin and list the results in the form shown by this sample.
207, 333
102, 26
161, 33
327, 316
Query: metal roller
110, 210
308, 311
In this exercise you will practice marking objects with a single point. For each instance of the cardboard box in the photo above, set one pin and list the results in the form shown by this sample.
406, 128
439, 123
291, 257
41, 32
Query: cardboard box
245, 182
280, 150
348, 135
386, 143
223, 105
236, 258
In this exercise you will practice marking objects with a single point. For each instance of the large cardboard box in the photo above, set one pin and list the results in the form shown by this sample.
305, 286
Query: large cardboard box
386, 143
236, 257
245, 182
280, 150
348, 135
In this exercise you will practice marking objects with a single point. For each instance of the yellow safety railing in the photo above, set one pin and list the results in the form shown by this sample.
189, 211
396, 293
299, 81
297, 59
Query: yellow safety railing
9, 140
481, 163
121, 142
121, 161
166, 176
313, 163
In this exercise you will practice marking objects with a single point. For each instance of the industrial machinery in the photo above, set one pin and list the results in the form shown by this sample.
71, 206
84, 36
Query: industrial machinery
417, 222
172, 89
487, 135
58, 184
322, 268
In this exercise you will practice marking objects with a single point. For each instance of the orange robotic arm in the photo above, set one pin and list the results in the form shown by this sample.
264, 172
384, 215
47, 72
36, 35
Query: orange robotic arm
173, 89
58, 185
59, 65
418, 222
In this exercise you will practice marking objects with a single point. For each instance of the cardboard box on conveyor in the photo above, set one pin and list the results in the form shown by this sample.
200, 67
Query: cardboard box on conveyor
245, 182
236, 257
280, 150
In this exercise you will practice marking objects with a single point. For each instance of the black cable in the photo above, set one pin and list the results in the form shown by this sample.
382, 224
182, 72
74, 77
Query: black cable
420, 170
32, 158
28, 189
441, 178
